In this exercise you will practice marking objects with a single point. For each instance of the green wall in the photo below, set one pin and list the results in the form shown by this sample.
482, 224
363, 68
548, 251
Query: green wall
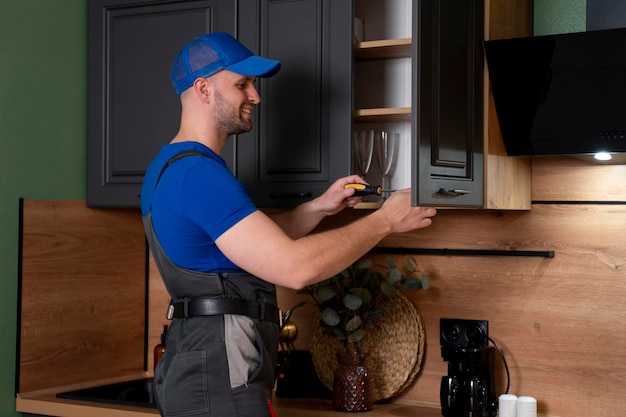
559, 16
43, 127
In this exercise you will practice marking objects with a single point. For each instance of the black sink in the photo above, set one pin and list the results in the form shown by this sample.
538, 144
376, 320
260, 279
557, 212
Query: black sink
137, 393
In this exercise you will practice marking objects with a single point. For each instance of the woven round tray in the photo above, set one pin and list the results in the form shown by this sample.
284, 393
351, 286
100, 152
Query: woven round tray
394, 345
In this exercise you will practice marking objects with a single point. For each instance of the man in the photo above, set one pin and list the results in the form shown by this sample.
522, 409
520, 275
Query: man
220, 257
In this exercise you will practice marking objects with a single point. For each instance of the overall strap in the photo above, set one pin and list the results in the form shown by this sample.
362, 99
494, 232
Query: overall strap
218, 300
178, 157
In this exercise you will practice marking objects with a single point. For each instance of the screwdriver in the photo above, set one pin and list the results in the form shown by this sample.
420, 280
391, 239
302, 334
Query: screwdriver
364, 189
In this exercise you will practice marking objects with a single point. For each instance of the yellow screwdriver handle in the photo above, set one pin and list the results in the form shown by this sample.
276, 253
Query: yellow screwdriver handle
364, 189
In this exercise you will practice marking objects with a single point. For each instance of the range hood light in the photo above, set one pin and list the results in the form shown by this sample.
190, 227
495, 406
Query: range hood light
602, 156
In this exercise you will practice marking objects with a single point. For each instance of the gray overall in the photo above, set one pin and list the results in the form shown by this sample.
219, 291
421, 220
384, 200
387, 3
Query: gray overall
194, 376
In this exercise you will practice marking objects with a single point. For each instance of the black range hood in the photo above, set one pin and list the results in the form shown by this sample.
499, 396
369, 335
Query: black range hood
560, 94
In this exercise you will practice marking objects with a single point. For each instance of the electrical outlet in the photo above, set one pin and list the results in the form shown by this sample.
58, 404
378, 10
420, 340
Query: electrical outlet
459, 333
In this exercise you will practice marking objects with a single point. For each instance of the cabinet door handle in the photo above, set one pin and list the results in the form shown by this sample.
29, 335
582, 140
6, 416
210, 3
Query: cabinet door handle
291, 195
453, 193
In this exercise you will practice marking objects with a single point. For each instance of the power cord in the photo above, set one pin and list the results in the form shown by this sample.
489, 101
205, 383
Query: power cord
506, 366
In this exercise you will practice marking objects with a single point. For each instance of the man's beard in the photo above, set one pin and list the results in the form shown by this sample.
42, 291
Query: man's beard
226, 121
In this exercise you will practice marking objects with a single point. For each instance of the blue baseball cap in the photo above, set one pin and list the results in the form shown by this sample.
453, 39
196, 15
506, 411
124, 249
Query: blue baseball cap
213, 52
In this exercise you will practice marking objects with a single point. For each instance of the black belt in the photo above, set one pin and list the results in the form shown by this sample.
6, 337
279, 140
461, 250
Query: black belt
260, 310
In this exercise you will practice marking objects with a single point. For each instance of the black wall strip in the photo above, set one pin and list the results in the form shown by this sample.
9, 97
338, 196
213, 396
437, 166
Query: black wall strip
146, 313
18, 337
463, 252
605, 203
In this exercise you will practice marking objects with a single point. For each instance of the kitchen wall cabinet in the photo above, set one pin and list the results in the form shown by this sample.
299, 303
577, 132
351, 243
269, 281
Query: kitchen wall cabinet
298, 145
455, 155
300, 142
328, 86
505, 182
133, 109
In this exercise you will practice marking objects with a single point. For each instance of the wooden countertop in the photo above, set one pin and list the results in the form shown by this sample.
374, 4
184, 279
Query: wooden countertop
48, 404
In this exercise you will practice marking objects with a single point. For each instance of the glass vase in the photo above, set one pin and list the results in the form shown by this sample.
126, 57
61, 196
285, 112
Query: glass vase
351, 383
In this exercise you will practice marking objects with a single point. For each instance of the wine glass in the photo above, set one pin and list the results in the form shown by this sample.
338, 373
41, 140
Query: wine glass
386, 143
363, 150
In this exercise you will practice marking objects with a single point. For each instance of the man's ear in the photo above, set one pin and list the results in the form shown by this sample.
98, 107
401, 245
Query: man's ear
201, 88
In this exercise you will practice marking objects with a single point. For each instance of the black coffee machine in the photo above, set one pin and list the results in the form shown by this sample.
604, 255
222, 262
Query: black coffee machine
468, 390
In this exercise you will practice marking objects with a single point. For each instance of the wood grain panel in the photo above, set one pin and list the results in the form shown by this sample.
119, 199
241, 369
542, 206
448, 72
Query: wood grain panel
510, 19
563, 178
557, 320
82, 294
507, 181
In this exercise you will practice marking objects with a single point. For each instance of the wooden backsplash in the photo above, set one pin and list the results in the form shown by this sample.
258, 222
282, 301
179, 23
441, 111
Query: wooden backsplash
558, 320
82, 288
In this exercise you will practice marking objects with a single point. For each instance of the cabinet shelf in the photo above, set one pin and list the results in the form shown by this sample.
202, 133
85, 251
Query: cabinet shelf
386, 114
369, 205
378, 50
383, 49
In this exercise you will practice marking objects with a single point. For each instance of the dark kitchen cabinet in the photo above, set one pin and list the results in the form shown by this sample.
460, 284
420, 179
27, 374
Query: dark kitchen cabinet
444, 111
458, 155
133, 108
301, 139
300, 142
447, 107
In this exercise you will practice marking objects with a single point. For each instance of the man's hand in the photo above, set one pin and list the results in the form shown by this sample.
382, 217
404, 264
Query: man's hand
402, 216
336, 198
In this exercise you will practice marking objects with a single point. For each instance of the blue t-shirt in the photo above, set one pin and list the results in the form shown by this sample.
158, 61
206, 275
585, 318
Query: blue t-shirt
196, 200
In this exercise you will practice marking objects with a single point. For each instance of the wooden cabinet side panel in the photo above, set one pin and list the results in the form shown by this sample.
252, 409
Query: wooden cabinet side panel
507, 180
82, 287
